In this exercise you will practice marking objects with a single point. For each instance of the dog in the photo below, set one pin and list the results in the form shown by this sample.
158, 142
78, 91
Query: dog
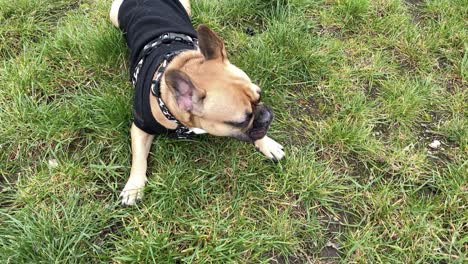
184, 84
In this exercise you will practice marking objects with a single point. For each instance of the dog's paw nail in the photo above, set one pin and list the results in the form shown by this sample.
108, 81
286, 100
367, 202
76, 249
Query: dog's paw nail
270, 148
131, 196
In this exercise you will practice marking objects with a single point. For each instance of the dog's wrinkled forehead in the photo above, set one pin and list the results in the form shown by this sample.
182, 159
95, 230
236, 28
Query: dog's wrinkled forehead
217, 71
228, 78
230, 94
251, 89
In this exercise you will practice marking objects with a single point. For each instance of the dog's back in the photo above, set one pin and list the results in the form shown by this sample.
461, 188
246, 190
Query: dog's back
142, 21
114, 12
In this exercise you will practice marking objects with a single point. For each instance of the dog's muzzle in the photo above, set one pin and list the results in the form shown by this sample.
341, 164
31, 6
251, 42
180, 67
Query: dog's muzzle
262, 120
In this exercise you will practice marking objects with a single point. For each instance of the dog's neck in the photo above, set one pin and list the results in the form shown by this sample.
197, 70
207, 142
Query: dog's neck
188, 61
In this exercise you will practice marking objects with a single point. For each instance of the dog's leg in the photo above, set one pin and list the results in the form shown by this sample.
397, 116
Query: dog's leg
141, 144
114, 12
186, 4
270, 148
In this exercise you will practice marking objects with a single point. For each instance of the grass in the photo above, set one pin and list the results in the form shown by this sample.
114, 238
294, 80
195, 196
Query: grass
360, 89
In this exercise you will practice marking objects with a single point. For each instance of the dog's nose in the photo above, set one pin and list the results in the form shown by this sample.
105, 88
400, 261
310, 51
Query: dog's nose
261, 123
263, 115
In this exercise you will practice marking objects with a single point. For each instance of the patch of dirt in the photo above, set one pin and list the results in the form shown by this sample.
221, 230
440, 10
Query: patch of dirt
414, 2
406, 62
62, 9
80, 140
105, 235
372, 90
310, 106
113, 228
280, 259
15, 42
254, 27
335, 223
367, 169
298, 135
360, 168
427, 134
414, 6
381, 130
443, 63
30, 155
54, 14
428, 191
455, 85
8, 186
330, 251
304, 110
329, 30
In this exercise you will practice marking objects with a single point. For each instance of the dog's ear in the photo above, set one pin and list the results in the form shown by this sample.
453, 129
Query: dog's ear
211, 45
187, 95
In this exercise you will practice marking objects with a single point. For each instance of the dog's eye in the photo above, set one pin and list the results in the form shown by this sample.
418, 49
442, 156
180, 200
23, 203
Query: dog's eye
236, 124
241, 124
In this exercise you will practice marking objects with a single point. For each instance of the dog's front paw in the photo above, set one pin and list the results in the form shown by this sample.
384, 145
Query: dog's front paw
270, 148
132, 192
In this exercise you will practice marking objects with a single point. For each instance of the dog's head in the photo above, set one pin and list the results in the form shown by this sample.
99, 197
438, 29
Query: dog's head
219, 97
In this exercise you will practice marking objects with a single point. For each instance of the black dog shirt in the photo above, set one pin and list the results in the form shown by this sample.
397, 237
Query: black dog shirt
143, 21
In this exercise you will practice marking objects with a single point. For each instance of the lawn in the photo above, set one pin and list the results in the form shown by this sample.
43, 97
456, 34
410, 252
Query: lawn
361, 89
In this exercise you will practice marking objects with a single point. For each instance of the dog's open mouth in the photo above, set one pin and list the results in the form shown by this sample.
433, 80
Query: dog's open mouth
252, 135
257, 133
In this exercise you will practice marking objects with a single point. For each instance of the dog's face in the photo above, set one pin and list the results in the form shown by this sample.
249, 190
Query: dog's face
220, 98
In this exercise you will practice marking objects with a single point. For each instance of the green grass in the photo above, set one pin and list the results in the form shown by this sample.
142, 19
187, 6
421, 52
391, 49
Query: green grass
360, 89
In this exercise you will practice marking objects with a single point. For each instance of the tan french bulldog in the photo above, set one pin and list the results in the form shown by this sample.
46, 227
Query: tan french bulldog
200, 88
